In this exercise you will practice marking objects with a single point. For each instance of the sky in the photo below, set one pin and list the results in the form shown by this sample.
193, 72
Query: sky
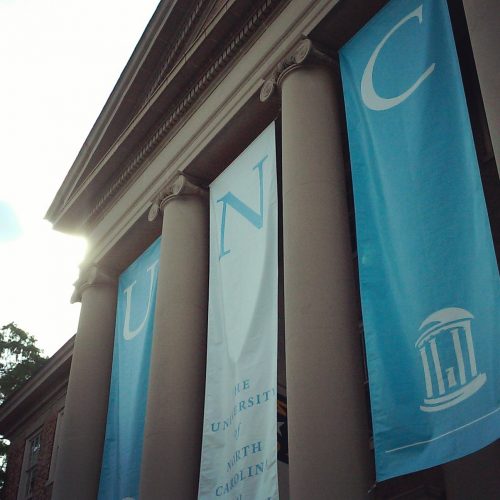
59, 61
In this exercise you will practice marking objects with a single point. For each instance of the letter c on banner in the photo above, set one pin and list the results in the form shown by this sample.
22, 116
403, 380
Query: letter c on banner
129, 334
370, 97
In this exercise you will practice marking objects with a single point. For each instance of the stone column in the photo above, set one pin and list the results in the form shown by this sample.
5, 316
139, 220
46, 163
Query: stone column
327, 415
483, 19
174, 417
79, 461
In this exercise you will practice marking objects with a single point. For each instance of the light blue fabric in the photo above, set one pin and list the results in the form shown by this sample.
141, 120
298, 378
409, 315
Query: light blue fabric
121, 465
429, 280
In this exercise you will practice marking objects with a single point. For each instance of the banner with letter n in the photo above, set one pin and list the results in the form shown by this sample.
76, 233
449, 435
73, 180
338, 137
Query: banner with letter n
430, 287
239, 432
121, 463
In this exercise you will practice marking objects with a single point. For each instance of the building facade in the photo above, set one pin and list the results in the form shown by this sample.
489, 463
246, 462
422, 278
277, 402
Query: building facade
205, 79
31, 419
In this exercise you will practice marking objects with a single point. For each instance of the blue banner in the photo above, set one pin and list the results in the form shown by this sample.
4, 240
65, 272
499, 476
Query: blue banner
430, 287
121, 463
239, 452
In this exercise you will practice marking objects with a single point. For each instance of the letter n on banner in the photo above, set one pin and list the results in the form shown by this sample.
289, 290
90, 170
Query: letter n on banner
239, 456
121, 463
430, 287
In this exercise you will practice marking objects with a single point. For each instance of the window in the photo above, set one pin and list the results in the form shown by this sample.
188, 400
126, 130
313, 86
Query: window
30, 462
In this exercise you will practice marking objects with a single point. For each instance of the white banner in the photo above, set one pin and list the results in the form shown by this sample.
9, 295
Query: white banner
238, 459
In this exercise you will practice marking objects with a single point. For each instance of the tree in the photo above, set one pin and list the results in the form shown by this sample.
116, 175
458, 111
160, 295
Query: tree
20, 358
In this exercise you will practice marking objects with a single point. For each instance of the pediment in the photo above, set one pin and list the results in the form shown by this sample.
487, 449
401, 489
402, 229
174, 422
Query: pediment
164, 76
163, 44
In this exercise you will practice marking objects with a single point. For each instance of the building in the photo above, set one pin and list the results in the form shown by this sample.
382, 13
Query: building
205, 79
31, 420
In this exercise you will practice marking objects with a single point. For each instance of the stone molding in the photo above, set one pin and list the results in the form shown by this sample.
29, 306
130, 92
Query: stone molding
182, 186
304, 53
173, 54
182, 106
92, 276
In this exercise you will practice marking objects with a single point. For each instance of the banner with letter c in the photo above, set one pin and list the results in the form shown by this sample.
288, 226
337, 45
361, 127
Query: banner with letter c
135, 311
429, 280
239, 433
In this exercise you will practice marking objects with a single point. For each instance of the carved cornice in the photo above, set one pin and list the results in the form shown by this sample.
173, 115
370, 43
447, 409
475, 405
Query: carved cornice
92, 276
305, 53
157, 136
183, 185
173, 53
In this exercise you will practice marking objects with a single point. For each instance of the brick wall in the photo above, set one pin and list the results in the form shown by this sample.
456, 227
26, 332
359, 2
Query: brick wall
14, 464
42, 489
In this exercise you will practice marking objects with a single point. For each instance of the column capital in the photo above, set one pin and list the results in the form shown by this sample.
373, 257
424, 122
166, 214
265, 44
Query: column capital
182, 185
92, 275
304, 53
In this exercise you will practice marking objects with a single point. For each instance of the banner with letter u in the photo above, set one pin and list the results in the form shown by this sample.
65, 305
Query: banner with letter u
429, 280
121, 463
239, 433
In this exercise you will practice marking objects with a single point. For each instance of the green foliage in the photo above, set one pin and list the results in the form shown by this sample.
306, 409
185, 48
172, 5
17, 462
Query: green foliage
4, 448
20, 358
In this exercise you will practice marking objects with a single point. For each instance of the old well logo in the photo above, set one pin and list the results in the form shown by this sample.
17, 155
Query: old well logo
447, 352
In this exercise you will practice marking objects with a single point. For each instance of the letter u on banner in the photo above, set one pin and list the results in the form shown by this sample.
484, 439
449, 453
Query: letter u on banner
430, 287
121, 463
239, 451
